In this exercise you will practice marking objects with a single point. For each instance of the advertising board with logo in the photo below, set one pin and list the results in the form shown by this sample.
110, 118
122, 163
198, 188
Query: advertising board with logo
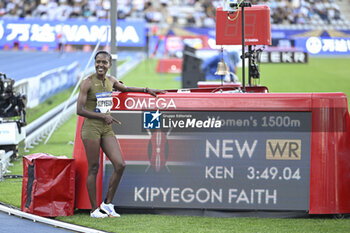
172, 45
37, 32
211, 159
324, 46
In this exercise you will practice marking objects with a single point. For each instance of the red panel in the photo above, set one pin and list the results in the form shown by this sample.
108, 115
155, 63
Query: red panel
82, 197
137, 149
330, 155
207, 100
49, 189
257, 26
169, 65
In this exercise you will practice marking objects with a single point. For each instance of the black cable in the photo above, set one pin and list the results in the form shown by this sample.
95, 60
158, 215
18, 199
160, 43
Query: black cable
12, 176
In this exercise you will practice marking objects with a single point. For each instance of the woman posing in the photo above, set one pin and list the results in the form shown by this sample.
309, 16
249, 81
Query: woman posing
97, 131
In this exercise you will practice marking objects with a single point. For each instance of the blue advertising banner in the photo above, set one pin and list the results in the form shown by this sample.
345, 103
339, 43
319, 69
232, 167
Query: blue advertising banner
314, 42
37, 32
282, 33
324, 46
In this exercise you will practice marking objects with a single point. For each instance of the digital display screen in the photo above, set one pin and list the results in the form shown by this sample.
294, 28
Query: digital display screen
213, 160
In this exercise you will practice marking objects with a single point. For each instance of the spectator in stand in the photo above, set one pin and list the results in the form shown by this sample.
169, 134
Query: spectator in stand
199, 14
321, 10
41, 9
151, 13
89, 10
11, 8
333, 12
125, 8
210, 11
336, 12
64, 10
77, 9
47, 10
27, 9
2, 9
102, 8
165, 13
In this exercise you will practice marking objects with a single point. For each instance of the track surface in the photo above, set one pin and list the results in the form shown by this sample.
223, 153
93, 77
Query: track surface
26, 64
13, 224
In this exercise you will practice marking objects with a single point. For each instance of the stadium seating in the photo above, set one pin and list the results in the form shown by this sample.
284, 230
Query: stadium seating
201, 13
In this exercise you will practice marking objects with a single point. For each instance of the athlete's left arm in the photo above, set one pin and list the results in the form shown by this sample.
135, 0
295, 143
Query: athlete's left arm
117, 85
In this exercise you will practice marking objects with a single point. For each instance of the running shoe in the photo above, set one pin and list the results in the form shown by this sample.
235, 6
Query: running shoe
109, 209
98, 214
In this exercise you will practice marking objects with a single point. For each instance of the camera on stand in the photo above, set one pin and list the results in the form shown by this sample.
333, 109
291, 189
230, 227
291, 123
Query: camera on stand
253, 68
12, 116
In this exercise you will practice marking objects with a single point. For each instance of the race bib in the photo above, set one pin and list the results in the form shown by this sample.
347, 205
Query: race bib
104, 102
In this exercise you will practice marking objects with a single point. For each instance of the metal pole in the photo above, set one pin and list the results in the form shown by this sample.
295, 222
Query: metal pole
113, 18
243, 50
242, 4
249, 65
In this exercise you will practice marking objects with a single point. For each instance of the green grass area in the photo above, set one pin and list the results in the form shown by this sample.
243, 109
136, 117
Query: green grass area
11, 189
145, 75
320, 75
163, 223
50, 103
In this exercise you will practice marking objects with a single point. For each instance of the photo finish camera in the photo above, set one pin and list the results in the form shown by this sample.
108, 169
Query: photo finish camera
12, 105
12, 117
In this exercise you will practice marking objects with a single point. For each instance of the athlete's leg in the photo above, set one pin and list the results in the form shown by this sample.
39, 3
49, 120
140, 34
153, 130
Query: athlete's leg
92, 150
110, 147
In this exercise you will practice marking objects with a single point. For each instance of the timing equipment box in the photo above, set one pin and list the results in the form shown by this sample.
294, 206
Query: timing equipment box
257, 26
